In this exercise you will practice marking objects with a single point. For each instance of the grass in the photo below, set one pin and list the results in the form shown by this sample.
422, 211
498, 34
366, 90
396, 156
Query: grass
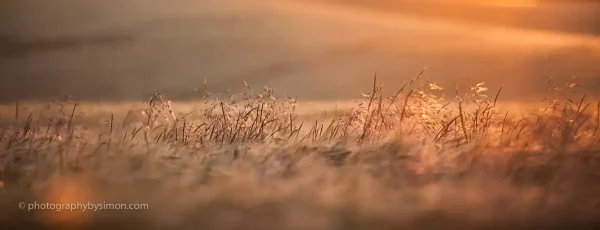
412, 158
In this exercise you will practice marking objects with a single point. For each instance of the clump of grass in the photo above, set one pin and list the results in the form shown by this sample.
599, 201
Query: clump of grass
251, 150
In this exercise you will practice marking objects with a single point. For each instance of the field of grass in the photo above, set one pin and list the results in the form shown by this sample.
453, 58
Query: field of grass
417, 157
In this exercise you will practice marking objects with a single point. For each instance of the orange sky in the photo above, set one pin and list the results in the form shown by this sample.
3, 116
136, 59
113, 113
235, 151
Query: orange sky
506, 3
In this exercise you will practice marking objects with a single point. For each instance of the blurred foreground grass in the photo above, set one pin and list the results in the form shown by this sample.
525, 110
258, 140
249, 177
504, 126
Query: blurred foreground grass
418, 157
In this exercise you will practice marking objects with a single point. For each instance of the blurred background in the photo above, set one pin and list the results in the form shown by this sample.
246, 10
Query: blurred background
569, 16
318, 50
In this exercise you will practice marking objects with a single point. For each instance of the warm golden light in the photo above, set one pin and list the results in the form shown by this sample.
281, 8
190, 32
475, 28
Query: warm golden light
505, 3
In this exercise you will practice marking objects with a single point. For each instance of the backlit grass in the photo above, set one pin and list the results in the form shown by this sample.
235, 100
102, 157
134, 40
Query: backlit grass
416, 157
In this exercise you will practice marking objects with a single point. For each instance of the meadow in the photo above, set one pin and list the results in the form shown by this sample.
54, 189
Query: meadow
269, 115
416, 157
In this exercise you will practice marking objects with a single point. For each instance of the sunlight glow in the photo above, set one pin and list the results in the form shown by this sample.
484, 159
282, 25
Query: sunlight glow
507, 3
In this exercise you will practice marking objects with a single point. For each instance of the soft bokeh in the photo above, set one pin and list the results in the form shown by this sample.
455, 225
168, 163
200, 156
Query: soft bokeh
317, 50
315, 114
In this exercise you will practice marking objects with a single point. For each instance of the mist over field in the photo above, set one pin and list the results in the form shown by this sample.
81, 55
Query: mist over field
317, 50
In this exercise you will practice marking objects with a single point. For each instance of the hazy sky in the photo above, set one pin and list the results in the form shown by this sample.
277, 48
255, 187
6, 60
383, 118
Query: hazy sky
569, 16
124, 50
